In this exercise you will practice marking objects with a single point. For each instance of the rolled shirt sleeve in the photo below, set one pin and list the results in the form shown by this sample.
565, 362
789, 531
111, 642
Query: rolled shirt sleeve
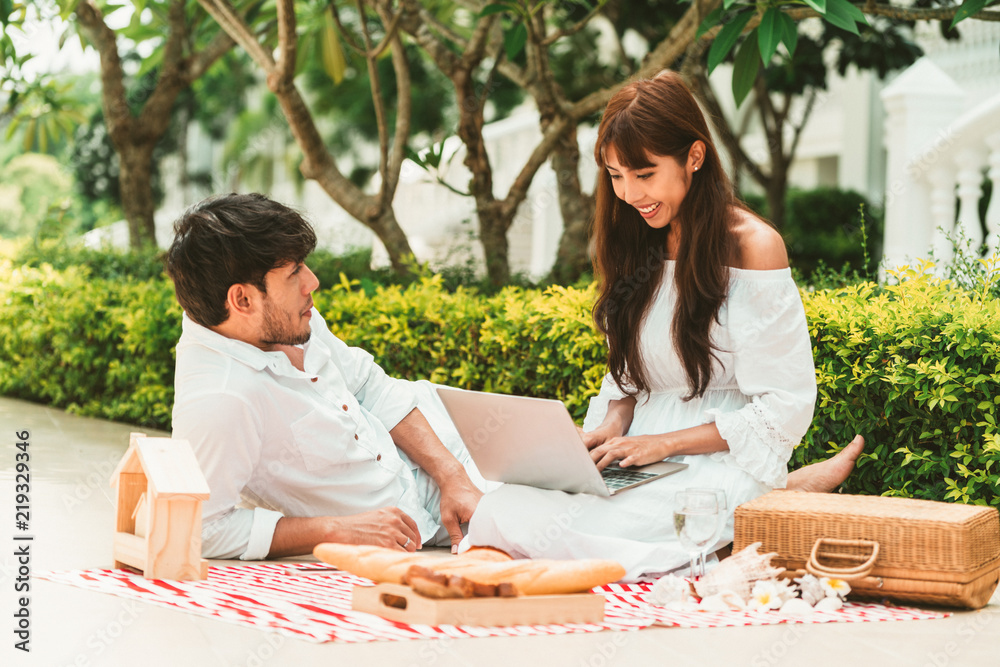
227, 530
773, 365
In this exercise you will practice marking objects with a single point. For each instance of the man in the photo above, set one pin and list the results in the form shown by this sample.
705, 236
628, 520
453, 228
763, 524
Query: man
302, 439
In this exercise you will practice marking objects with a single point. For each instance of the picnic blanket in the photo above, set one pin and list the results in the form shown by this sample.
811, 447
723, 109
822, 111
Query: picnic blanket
277, 598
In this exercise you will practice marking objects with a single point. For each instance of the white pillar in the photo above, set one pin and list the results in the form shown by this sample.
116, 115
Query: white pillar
993, 212
942, 213
970, 162
919, 104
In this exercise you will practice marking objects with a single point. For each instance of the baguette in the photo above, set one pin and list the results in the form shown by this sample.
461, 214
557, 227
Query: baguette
390, 565
375, 563
543, 577
527, 577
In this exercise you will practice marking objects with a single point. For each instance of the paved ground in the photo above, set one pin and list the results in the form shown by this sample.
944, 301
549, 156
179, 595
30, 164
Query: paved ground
72, 520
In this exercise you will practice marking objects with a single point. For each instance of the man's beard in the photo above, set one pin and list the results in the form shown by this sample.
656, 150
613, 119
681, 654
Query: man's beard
277, 332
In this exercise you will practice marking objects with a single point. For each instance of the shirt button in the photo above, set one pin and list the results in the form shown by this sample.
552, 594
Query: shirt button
378, 458
355, 436
314, 379
345, 407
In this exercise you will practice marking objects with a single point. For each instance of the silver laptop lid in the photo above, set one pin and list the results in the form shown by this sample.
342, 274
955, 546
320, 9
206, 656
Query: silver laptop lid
523, 440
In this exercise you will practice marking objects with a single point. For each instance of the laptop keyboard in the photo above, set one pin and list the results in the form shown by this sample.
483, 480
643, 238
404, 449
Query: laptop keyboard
616, 478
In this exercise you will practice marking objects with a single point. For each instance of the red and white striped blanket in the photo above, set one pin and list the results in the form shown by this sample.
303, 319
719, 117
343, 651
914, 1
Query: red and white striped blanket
318, 608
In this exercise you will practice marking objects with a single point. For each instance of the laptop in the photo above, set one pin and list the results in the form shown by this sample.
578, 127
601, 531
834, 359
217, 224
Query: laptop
534, 442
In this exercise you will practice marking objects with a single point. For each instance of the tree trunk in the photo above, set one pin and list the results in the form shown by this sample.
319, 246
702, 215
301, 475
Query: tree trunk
392, 236
493, 227
577, 209
136, 185
494, 219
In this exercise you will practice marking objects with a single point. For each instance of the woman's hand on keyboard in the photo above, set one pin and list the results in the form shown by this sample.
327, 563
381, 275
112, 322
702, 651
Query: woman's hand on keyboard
634, 450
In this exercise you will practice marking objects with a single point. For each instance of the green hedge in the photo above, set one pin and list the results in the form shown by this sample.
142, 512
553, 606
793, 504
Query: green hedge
99, 347
915, 366
530, 342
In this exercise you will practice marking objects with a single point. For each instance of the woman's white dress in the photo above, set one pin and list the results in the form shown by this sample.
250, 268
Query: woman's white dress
761, 398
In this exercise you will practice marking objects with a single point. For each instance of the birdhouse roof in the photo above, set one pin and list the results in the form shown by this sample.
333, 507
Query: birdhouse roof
170, 467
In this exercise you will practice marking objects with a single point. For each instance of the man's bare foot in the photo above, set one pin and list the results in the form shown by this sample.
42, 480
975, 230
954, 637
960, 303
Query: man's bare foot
825, 476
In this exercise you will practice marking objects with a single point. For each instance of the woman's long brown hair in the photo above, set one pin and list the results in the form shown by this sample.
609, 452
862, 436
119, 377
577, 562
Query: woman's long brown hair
660, 116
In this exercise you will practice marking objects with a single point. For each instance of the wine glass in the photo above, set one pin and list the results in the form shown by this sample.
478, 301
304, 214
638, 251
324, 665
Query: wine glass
720, 524
695, 518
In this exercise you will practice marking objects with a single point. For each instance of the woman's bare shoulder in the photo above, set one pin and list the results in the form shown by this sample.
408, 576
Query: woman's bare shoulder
761, 245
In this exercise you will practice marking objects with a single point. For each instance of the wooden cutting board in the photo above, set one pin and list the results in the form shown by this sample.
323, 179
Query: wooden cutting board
400, 603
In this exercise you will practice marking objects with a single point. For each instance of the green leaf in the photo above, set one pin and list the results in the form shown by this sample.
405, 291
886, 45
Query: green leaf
728, 3
334, 62
710, 22
726, 39
818, 5
66, 8
769, 33
745, 68
852, 10
514, 40
495, 8
789, 32
840, 14
6, 9
968, 8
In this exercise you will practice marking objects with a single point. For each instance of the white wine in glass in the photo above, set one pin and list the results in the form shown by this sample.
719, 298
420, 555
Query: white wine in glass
695, 519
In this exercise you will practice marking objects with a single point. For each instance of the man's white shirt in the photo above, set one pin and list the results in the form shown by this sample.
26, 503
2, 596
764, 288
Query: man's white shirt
275, 441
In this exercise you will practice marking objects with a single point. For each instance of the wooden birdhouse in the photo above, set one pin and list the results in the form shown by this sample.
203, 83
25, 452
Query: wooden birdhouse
160, 491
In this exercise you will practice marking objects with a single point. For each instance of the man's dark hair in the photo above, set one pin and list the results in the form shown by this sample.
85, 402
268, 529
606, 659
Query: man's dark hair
229, 240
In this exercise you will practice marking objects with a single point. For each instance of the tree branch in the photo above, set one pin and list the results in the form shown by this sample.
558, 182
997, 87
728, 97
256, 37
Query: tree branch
430, 20
404, 105
200, 62
519, 189
377, 101
476, 47
666, 52
903, 13
576, 27
287, 44
114, 99
391, 30
797, 129
226, 16
412, 21
317, 164
154, 119
354, 46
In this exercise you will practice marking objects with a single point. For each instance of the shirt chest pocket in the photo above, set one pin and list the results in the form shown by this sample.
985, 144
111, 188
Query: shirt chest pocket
327, 439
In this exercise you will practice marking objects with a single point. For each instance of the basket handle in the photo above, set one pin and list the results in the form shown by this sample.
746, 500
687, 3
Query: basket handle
813, 566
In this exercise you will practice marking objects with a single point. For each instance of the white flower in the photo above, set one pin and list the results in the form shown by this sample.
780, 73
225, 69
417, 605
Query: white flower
765, 596
786, 591
835, 587
669, 589
811, 588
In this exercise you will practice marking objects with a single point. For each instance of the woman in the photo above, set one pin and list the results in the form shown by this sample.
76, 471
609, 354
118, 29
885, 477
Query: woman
709, 354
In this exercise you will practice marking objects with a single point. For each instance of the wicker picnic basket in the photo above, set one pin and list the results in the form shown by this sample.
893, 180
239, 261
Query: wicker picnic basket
901, 549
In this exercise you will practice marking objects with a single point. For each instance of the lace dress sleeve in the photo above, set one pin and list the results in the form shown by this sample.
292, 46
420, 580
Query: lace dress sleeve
773, 365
